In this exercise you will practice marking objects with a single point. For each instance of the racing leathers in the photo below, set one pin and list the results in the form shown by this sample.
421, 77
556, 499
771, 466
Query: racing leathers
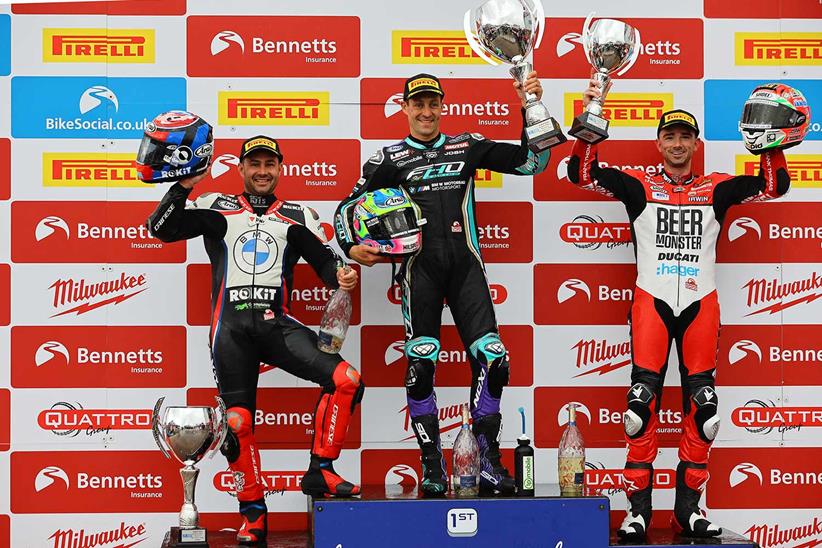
439, 175
253, 243
674, 226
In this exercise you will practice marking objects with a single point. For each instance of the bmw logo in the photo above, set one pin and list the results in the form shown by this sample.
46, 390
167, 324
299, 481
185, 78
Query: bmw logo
255, 252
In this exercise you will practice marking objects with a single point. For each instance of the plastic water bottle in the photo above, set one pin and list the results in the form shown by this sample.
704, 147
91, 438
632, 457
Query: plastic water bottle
571, 457
466, 466
334, 324
524, 463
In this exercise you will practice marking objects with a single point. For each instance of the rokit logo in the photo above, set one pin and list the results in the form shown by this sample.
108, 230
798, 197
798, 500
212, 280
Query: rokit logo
779, 477
599, 413
770, 355
669, 48
279, 108
284, 417
275, 482
126, 534
591, 232
600, 356
432, 47
761, 417
777, 48
774, 295
70, 419
577, 294
85, 232
98, 356
381, 115
510, 238
98, 481
142, 8
600, 480
98, 45
304, 176
90, 169
625, 109
382, 351
80, 296
327, 46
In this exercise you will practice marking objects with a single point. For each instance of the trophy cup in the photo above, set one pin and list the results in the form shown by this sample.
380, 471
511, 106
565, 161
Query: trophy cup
507, 31
610, 46
189, 433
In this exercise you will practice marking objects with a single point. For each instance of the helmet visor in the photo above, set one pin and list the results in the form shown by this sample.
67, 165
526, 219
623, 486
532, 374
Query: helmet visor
769, 115
394, 224
151, 152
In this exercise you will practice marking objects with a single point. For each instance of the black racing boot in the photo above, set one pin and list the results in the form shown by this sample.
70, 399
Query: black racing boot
254, 527
689, 519
321, 480
434, 481
494, 477
639, 485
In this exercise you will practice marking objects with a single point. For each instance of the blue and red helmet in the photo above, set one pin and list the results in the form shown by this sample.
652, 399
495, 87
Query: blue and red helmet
176, 145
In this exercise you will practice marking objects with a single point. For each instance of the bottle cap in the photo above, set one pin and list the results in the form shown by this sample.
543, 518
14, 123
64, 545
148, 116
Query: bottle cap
524, 440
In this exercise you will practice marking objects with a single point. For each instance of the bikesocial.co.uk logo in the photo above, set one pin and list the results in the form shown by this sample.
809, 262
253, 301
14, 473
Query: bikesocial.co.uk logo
97, 102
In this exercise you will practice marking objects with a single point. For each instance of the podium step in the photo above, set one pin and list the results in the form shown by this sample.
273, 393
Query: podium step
666, 537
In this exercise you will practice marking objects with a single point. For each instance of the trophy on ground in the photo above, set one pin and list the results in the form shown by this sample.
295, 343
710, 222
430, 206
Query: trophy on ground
610, 46
507, 31
189, 433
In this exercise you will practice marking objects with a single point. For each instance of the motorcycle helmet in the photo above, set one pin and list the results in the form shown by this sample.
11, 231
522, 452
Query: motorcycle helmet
388, 220
176, 145
775, 116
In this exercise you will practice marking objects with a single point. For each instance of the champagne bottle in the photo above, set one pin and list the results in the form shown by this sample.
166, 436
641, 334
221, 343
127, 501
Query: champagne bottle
571, 457
335, 320
524, 463
466, 467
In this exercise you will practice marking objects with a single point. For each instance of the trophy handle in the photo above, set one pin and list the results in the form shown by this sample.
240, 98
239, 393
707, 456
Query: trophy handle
472, 40
634, 54
585, 27
155, 427
221, 427
539, 16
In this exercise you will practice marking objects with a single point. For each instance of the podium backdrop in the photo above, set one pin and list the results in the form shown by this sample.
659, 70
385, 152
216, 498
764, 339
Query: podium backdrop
99, 320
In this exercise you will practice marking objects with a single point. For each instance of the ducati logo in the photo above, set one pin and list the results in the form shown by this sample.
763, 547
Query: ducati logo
742, 349
743, 472
48, 476
571, 288
48, 226
223, 40
743, 226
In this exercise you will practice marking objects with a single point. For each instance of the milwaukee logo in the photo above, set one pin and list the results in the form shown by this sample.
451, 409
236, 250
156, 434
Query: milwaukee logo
805, 169
98, 45
778, 48
69, 538
92, 295
91, 169
774, 536
447, 47
625, 109
786, 294
450, 418
261, 108
600, 356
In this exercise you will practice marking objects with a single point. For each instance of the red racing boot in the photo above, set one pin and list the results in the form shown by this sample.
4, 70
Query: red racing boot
254, 528
322, 481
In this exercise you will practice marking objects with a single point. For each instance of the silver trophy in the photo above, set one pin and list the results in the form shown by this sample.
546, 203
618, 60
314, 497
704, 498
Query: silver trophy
507, 31
189, 433
611, 46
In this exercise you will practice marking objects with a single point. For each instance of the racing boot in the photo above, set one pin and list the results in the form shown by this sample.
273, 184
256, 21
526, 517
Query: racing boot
494, 477
254, 528
638, 486
688, 518
322, 481
427, 430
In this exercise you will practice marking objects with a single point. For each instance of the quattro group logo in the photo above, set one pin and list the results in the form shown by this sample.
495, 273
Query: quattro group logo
759, 416
583, 294
805, 169
98, 45
781, 477
778, 48
599, 413
592, 232
84, 107
87, 232
94, 482
69, 419
284, 417
625, 109
315, 169
275, 482
780, 232
509, 237
670, 48
282, 46
494, 114
600, 480
432, 47
770, 355
90, 169
98, 356
273, 108
384, 364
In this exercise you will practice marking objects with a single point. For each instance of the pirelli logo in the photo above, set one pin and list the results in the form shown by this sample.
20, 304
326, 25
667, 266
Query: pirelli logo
485, 178
90, 169
778, 48
625, 109
805, 169
279, 108
98, 45
432, 47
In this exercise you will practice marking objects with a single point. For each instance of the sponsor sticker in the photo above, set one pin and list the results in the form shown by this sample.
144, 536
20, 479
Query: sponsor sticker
71, 45
625, 109
777, 48
432, 47
277, 108
90, 169
805, 169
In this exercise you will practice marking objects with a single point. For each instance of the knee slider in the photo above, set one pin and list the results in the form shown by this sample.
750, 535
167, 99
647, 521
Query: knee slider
706, 417
422, 354
489, 350
638, 415
239, 424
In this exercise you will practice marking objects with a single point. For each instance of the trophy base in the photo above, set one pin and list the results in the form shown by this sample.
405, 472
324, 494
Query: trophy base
589, 128
186, 538
544, 135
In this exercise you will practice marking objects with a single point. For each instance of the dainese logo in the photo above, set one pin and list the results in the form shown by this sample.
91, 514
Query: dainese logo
778, 48
98, 45
260, 108
443, 47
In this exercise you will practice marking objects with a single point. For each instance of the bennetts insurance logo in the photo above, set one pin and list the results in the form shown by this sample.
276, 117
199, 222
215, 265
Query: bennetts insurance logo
81, 295
126, 535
